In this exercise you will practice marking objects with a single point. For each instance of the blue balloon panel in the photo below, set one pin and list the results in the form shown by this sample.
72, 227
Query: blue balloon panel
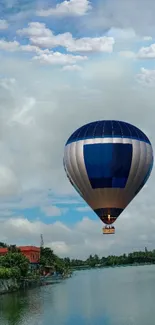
108, 164
108, 129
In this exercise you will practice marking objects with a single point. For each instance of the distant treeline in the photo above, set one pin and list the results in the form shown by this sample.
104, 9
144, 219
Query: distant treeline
140, 257
62, 265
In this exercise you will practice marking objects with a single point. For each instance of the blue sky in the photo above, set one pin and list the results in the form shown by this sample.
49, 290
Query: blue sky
64, 64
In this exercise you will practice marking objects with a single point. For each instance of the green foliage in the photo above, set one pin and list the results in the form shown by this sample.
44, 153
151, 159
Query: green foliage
11, 260
3, 245
13, 249
48, 258
141, 257
14, 263
7, 273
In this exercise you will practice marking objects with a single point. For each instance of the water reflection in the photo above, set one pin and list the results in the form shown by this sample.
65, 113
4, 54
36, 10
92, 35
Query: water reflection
19, 308
120, 296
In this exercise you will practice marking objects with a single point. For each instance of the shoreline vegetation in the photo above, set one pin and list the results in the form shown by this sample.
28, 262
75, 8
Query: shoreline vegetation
15, 271
134, 258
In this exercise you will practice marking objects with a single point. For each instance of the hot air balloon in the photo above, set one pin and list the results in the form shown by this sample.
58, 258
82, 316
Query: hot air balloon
108, 162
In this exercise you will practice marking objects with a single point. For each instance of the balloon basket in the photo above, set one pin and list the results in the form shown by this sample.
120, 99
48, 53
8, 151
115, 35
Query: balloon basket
108, 230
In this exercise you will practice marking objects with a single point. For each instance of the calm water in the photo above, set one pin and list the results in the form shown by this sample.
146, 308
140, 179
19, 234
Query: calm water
119, 296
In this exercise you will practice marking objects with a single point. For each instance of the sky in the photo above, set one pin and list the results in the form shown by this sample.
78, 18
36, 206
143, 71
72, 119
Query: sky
64, 64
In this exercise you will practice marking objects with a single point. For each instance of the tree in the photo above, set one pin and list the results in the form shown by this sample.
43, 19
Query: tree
48, 258
18, 260
67, 261
3, 245
13, 249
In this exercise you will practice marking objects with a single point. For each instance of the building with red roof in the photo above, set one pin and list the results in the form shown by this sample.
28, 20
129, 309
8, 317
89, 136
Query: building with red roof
31, 252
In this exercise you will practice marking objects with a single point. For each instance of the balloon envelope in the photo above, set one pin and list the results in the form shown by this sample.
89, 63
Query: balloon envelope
108, 162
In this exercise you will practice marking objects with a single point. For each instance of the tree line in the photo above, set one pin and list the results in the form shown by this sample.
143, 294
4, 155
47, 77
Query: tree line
15, 264
137, 257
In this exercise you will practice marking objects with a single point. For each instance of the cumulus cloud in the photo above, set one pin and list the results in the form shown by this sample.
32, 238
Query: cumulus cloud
144, 53
88, 44
9, 45
147, 52
51, 211
10, 202
35, 29
86, 236
42, 56
42, 40
43, 37
73, 67
59, 58
67, 8
14, 46
146, 77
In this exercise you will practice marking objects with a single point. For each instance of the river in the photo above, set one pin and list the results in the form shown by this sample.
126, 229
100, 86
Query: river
113, 296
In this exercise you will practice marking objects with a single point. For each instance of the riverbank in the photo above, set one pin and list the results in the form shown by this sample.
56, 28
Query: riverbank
88, 267
8, 285
11, 285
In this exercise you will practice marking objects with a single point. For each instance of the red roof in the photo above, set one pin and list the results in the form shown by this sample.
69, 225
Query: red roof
29, 248
31, 252
23, 249
3, 250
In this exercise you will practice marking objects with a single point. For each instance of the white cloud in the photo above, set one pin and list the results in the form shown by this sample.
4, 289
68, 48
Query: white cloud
88, 44
51, 211
42, 56
146, 77
9, 46
59, 58
42, 40
13, 46
32, 48
60, 247
43, 37
85, 237
147, 52
67, 8
3, 24
32, 199
35, 29
73, 67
